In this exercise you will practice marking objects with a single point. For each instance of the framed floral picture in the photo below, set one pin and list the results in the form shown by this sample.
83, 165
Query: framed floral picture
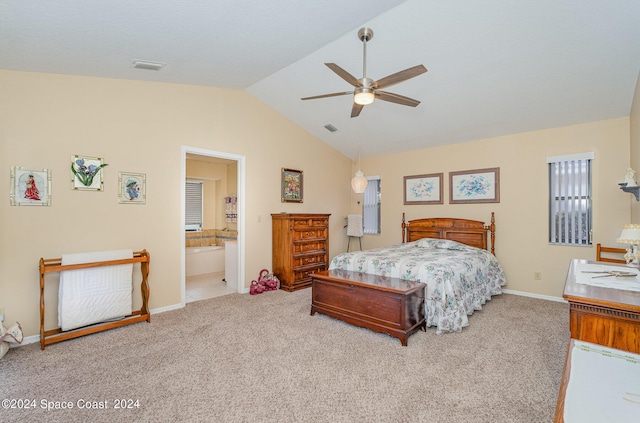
132, 188
291, 186
423, 189
475, 186
30, 187
86, 173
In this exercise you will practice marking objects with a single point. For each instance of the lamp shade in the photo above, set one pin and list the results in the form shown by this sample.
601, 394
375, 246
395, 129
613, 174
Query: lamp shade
359, 182
630, 234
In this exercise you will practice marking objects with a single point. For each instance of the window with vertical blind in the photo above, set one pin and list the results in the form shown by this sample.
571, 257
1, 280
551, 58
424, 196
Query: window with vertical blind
570, 199
371, 206
193, 206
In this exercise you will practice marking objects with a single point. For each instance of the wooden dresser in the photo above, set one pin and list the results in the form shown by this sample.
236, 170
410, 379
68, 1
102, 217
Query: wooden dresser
300, 248
604, 316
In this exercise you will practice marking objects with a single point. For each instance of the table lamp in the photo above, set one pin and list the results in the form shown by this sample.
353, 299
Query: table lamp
630, 235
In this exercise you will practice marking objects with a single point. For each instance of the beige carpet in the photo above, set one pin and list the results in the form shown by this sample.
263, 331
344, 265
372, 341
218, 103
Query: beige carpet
242, 358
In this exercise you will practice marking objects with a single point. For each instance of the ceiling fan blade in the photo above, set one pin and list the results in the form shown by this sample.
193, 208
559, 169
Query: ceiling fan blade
356, 109
327, 95
396, 98
344, 74
397, 77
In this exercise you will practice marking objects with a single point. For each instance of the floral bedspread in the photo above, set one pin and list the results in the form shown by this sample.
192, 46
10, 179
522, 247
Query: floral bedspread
459, 278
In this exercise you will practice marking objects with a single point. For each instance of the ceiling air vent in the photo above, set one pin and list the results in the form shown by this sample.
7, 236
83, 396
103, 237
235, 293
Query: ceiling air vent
142, 64
330, 127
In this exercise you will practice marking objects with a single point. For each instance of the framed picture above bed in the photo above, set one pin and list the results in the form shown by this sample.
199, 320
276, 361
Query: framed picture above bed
291, 186
423, 189
475, 186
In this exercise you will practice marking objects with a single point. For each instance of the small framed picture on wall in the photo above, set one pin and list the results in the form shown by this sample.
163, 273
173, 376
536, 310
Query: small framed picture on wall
423, 189
86, 173
475, 186
291, 186
132, 188
30, 187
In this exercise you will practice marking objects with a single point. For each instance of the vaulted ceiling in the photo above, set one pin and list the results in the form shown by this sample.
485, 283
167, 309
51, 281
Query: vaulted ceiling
495, 67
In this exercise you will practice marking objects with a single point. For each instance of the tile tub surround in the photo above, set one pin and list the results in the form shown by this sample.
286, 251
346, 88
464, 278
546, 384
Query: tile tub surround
208, 237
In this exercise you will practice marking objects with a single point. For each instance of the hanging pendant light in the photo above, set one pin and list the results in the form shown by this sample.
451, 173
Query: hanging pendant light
359, 181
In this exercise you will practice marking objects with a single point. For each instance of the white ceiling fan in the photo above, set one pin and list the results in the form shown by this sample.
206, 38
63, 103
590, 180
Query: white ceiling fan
366, 89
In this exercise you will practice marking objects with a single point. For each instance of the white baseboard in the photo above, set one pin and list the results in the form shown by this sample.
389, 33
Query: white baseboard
36, 338
28, 340
539, 296
167, 308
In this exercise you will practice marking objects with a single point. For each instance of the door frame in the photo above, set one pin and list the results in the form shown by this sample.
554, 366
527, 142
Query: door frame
241, 161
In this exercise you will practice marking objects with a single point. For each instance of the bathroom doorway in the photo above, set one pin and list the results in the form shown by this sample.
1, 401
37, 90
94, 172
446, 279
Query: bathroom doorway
213, 245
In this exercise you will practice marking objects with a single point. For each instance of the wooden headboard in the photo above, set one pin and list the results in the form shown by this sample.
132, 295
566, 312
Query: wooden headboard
469, 232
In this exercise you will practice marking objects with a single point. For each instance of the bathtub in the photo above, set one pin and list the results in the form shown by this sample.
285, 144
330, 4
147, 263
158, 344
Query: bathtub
202, 260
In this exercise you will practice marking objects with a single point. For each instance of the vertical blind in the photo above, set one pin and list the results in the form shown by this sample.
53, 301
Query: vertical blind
570, 199
193, 205
371, 206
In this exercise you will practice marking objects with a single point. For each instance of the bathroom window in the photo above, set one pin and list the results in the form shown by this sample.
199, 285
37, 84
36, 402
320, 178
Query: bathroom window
193, 206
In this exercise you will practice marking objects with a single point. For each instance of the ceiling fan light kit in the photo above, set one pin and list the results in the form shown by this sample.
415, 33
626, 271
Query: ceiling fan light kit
363, 96
366, 90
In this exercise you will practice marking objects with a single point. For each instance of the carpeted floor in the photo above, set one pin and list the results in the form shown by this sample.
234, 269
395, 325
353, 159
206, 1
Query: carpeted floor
263, 358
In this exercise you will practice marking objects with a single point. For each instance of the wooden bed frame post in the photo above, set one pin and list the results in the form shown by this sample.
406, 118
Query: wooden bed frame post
404, 225
492, 229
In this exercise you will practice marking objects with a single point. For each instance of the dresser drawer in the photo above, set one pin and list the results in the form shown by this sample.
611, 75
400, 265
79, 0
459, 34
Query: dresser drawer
301, 224
304, 273
308, 260
310, 233
309, 247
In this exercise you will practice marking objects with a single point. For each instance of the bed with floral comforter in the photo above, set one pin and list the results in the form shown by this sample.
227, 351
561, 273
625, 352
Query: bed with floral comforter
459, 278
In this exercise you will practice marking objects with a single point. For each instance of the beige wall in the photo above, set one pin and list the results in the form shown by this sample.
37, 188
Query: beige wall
521, 216
141, 127
635, 146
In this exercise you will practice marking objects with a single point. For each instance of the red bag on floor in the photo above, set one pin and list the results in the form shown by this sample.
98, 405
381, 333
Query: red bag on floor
269, 280
256, 288
266, 282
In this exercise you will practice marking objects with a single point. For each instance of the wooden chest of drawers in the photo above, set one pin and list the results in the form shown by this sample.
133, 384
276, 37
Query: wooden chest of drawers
300, 248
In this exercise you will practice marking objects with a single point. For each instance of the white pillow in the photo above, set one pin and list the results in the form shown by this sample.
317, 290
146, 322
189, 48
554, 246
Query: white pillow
442, 244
